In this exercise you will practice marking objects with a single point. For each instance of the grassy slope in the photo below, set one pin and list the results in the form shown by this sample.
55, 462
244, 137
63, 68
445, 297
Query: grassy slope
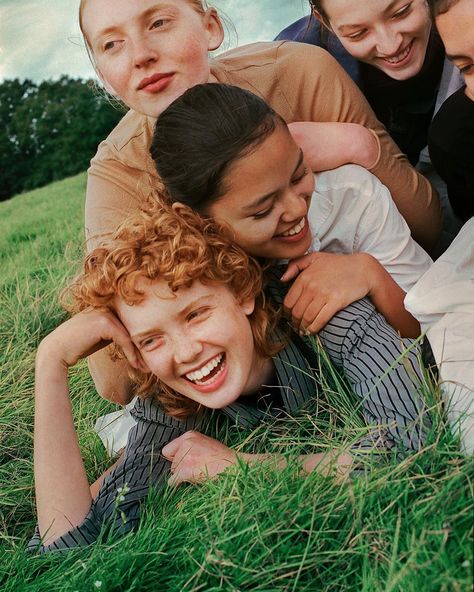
404, 526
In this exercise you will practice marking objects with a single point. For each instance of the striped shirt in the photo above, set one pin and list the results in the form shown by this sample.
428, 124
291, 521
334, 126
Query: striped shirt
358, 341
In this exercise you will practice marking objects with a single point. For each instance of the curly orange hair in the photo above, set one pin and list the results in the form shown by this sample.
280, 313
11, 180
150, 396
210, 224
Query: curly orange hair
178, 247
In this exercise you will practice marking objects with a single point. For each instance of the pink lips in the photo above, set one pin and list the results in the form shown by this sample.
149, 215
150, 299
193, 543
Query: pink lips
155, 83
294, 238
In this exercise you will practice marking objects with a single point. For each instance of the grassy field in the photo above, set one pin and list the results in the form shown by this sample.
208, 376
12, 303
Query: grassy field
401, 526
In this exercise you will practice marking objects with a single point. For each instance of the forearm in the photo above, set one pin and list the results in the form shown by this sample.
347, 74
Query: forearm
327, 145
388, 297
62, 492
110, 377
332, 462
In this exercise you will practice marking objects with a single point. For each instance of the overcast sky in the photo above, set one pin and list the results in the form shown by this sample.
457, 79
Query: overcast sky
40, 39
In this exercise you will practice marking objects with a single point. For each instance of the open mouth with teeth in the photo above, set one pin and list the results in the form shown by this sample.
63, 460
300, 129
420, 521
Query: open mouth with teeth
208, 374
295, 232
399, 58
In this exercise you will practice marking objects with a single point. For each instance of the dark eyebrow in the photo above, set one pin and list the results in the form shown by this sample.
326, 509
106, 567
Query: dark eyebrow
261, 200
389, 8
456, 57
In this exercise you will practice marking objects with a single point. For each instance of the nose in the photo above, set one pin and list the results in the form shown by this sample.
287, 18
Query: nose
186, 348
143, 52
388, 41
295, 205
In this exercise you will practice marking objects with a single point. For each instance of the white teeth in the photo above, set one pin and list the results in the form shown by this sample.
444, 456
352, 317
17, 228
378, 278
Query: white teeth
399, 57
205, 370
297, 228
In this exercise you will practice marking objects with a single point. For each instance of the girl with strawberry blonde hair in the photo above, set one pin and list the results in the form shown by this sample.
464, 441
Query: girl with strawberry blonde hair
184, 307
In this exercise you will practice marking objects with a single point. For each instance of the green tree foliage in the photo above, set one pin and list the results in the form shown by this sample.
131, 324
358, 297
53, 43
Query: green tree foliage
49, 131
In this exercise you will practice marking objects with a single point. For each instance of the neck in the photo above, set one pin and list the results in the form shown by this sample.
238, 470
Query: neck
262, 369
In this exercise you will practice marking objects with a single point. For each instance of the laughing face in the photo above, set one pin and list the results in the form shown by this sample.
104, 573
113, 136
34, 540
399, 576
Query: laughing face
267, 197
198, 341
149, 52
391, 35
456, 27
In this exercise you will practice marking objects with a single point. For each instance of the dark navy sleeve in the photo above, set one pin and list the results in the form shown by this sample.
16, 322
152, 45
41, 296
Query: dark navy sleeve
309, 30
117, 506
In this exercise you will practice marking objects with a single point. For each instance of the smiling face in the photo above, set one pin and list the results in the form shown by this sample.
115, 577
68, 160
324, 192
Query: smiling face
149, 52
266, 199
391, 35
198, 341
456, 28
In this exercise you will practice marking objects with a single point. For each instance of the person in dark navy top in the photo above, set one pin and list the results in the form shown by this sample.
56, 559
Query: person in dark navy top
391, 51
185, 307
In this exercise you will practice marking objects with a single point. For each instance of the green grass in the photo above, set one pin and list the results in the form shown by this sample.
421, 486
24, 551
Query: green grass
403, 525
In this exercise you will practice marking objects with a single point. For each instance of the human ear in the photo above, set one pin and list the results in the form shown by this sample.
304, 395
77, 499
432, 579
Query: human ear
108, 87
214, 29
319, 17
248, 306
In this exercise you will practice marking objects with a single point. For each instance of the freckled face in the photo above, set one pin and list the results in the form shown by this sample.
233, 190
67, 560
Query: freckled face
150, 52
198, 341
391, 35
267, 197
456, 28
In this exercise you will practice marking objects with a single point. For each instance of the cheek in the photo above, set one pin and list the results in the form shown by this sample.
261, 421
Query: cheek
361, 50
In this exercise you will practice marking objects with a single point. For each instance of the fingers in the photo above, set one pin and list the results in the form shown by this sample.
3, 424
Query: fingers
296, 266
171, 449
321, 319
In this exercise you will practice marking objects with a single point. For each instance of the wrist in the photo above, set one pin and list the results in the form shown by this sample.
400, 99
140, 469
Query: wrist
366, 151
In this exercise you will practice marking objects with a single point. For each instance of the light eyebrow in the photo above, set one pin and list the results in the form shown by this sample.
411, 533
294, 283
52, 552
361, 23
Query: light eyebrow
180, 314
143, 16
261, 200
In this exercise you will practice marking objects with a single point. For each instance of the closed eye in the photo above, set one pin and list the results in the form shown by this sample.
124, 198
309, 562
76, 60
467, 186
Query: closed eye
358, 35
199, 314
150, 343
300, 177
465, 69
263, 213
403, 11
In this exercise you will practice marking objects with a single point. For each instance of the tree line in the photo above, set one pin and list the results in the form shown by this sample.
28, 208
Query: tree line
49, 130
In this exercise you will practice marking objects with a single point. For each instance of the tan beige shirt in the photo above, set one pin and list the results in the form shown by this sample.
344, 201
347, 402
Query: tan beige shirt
302, 83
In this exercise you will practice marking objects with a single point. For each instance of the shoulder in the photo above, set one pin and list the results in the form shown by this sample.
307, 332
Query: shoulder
304, 30
350, 177
268, 54
128, 141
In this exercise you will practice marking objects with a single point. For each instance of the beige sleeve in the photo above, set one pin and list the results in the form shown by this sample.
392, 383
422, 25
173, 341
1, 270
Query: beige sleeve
113, 192
316, 88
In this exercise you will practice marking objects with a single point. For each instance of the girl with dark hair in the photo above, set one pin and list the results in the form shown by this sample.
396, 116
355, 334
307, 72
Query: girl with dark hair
148, 53
184, 306
224, 152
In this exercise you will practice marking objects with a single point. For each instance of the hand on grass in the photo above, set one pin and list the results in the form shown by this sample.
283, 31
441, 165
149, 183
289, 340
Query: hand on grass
195, 456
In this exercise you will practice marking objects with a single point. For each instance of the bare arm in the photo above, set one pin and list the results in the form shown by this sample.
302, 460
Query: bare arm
332, 144
62, 490
110, 377
63, 497
194, 457
326, 283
